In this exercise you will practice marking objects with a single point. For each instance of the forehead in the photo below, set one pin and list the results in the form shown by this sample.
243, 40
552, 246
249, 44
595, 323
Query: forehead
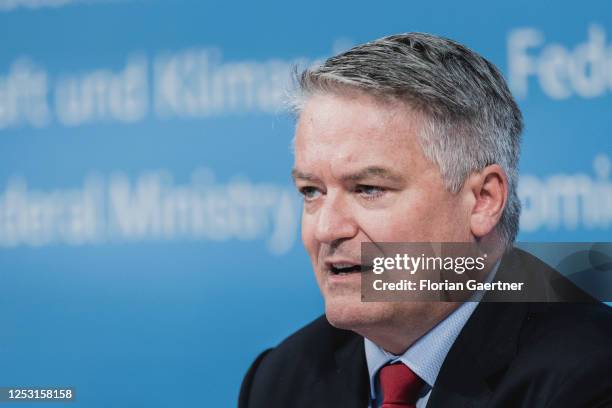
357, 130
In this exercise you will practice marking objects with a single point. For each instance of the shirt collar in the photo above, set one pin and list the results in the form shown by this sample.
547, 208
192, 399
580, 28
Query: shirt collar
426, 355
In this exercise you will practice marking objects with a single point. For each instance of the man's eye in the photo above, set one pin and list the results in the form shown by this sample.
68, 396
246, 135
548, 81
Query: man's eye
370, 192
309, 193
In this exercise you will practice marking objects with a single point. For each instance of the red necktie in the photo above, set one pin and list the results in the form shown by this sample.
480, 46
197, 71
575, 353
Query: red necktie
400, 386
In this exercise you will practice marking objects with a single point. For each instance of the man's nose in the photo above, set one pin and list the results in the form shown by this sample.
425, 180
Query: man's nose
335, 220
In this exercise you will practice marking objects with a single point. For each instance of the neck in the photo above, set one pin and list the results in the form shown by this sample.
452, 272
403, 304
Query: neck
398, 334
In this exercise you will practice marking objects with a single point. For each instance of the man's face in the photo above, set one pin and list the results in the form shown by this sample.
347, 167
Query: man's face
364, 178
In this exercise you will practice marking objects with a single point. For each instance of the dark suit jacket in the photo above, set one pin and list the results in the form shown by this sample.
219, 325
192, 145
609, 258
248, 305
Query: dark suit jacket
507, 355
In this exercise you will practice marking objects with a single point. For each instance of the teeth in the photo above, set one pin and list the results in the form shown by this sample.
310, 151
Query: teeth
342, 266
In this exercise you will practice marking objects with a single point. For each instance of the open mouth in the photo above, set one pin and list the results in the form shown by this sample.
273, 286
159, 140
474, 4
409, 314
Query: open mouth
340, 269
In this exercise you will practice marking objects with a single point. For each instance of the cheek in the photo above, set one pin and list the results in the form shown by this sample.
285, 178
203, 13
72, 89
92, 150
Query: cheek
441, 220
308, 235
416, 218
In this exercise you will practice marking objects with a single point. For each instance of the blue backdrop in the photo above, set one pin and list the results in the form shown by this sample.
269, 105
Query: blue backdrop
149, 231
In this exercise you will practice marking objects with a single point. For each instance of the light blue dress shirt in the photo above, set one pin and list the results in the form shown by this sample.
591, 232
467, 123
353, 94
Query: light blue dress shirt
426, 355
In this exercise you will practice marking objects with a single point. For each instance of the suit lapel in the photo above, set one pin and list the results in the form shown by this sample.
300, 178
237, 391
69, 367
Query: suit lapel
352, 373
483, 349
479, 356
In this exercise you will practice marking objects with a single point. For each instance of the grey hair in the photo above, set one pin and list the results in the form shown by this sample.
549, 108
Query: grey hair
470, 119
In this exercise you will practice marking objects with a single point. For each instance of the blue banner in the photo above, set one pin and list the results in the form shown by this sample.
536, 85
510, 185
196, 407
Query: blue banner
149, 230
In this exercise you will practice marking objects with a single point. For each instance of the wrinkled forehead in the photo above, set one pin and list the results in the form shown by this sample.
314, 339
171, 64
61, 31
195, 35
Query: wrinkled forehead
356, 129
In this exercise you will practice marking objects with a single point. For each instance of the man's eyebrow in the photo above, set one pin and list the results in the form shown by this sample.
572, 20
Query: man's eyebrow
297, 174
372, 171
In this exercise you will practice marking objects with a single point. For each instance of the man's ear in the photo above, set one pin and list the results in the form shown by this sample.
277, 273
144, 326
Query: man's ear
490, 193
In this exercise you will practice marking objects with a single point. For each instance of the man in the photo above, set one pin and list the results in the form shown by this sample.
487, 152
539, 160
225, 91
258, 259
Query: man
415, 138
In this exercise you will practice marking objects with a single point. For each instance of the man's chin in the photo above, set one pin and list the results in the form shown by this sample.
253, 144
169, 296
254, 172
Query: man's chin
352, 314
